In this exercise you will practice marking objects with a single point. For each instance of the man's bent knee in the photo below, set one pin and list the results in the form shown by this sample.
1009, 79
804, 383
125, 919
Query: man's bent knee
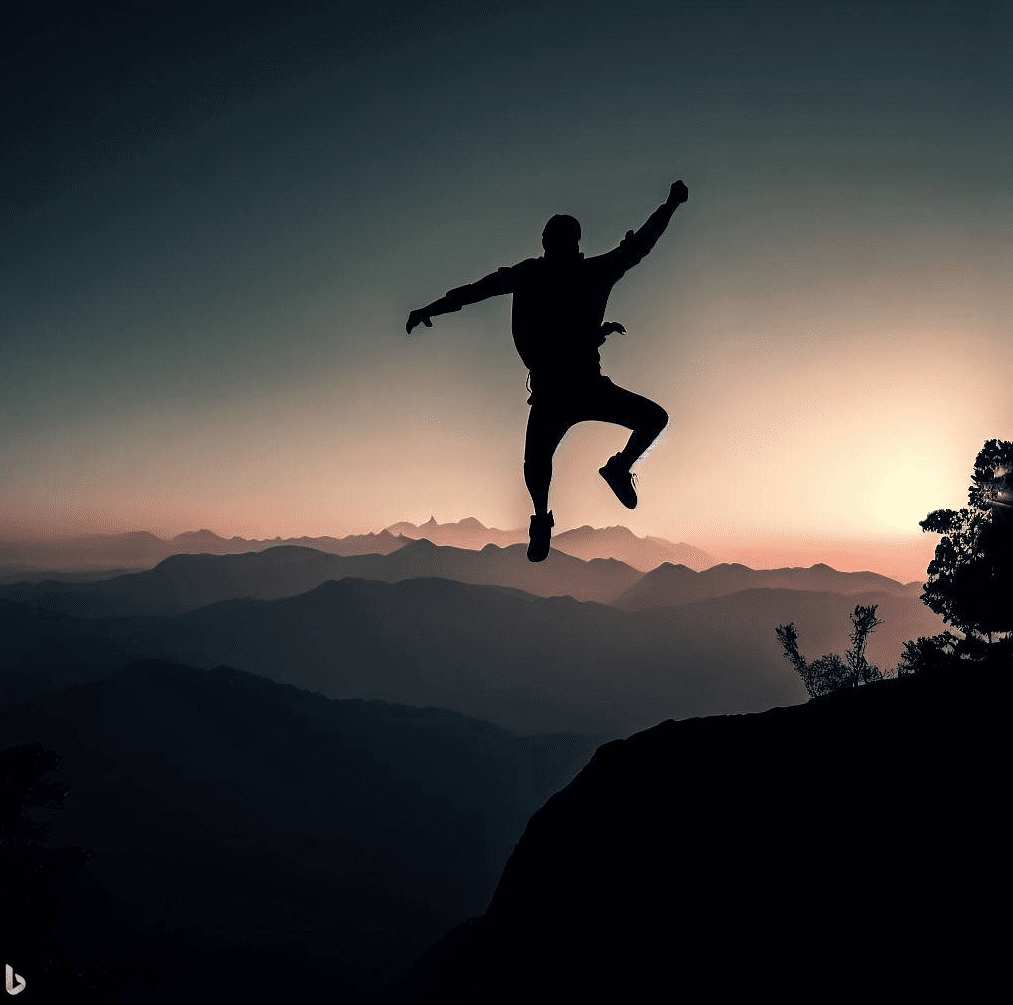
657, 418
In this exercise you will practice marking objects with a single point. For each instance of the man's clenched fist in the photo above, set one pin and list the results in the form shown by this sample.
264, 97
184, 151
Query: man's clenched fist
678, 194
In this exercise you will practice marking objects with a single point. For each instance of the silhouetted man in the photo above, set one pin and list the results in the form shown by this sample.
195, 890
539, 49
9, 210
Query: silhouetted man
558, 307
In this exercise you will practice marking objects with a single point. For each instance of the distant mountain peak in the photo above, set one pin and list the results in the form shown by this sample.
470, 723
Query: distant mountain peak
616, 529
202, 536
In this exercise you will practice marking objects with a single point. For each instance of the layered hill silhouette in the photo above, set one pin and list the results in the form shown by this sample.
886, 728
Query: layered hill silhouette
273, 842
111, 554
529, 663
466, 533
676, 584
849, 849
139, 550
583, 542
187, 581
46, 651
643, 553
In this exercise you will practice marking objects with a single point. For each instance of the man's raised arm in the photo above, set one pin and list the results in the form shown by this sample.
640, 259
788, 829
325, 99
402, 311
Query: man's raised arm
635, 246
500, 281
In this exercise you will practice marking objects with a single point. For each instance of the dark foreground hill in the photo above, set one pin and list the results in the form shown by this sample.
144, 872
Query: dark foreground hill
849, 849
274, 844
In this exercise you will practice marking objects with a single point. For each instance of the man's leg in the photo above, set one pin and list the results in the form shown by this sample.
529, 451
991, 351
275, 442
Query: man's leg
646, 419
546, 427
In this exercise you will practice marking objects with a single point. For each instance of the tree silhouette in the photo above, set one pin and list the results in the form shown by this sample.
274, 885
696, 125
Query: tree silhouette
970, 579
30, 872
929, 655
35, 880
864, 622
830, 673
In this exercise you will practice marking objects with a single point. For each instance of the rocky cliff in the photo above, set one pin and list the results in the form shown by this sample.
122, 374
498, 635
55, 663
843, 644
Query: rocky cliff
845, 848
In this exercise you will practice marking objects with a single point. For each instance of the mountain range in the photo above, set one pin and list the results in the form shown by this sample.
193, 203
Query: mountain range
676, 584
188, 581
529, 663
587, 543
118, 553
32, 560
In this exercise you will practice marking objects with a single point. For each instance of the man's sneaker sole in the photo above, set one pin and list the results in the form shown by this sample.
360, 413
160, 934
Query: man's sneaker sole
620, 481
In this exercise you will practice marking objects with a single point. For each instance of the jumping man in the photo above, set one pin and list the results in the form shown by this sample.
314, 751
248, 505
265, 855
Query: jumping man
558, 307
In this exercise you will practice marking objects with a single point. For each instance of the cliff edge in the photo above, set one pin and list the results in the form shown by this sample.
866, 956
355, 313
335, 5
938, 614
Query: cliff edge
848, 847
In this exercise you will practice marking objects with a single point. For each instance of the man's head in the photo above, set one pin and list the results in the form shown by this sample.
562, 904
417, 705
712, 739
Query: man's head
561, 236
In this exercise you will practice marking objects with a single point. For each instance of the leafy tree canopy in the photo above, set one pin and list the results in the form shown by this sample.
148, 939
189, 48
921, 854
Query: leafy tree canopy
970, 579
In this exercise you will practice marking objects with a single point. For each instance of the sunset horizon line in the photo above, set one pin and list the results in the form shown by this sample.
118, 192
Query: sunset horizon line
803, 539
901, 556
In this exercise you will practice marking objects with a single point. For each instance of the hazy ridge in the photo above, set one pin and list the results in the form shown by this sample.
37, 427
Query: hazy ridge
134, 551
484, 649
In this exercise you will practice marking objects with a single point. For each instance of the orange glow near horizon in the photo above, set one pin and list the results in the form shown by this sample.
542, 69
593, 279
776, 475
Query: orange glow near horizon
801, 445
765, 458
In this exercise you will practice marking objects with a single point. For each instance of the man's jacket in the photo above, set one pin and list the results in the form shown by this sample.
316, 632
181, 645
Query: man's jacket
559, 303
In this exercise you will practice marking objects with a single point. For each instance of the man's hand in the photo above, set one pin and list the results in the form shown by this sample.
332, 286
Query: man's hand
417, 317
678, 193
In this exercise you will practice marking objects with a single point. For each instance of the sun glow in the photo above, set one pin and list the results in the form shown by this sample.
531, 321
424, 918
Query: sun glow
908, 492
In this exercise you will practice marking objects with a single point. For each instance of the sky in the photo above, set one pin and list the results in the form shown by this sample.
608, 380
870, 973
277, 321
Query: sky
217, 218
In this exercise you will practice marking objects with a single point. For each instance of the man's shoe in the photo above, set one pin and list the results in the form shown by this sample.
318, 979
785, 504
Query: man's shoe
539, 534
620, 480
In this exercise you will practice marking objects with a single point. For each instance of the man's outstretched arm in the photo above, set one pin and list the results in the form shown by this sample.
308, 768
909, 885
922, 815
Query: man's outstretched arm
635, 246
500, 281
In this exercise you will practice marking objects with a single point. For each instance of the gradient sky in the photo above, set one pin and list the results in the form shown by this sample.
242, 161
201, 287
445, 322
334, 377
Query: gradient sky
217, 218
